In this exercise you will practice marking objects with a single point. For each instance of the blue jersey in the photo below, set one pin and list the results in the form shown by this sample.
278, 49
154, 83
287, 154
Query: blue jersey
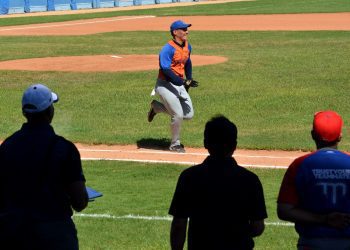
323, 185
175, 62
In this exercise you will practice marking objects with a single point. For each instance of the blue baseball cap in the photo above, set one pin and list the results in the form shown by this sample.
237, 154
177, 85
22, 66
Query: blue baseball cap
37, 98
179, 25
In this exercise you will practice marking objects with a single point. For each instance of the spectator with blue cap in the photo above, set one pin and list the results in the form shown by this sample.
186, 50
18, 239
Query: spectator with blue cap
41, 180
173, 83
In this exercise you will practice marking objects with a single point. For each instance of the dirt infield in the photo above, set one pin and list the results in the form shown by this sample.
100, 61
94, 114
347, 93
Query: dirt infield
246, 158
325, 21
99, 63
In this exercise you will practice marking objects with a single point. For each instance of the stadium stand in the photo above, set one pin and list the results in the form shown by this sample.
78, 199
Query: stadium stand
27, 6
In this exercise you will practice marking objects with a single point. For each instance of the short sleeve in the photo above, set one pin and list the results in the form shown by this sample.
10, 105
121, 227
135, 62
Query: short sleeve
73, 168
258, 207
180, 203
166, 56
288, 190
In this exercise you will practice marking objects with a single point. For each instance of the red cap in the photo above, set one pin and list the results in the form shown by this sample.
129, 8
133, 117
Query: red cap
327, 125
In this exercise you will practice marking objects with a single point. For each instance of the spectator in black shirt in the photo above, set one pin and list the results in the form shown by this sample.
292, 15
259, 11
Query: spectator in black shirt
223, 201
41, 180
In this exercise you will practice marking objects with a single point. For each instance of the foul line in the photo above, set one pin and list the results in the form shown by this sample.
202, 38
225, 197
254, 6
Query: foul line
135, 160
73, 24
177, 162
158, 218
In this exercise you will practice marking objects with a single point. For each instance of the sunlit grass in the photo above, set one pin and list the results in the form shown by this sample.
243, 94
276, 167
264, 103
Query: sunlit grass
146, 190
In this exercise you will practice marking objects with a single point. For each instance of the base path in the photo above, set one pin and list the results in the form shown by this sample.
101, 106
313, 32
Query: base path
246, 158
302, 22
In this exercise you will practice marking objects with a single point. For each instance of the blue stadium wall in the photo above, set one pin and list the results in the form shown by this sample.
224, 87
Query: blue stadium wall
27, 6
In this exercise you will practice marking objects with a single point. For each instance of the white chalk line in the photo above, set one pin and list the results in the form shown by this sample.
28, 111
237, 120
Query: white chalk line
158, 218
74, 24
177, 162
141, 160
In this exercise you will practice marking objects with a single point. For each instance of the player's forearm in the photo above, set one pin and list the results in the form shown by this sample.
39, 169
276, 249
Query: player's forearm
178, 234
172, 77
257, 227
333, 219
177, 242
291, 213
78, 195
188, 69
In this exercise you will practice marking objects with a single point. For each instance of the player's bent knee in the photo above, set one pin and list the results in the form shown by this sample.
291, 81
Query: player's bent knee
177, 117
188, 116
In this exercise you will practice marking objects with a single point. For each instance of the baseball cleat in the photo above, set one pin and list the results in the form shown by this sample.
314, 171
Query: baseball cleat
177, 148
151, 114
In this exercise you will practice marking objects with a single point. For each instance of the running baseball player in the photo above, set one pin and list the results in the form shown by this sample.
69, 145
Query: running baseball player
174, 81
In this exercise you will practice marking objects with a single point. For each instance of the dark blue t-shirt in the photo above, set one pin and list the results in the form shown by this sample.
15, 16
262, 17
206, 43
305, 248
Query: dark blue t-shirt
220, 198
323, 186
36, 168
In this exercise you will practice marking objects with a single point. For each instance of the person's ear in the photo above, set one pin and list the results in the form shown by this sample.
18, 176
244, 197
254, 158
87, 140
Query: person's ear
235, 145
340, 137
50, 113
205, 144
313, 135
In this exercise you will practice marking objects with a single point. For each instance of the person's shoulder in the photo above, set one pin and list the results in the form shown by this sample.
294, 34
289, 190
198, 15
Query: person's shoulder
331, 151
166, 52
299, 160
346, 154
8, 139
189, 46
318, 156
63, 142
333, 154
245, 172
167, 48
192, 170
11, 139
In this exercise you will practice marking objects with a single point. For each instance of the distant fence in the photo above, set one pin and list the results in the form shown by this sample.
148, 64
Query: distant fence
27, 6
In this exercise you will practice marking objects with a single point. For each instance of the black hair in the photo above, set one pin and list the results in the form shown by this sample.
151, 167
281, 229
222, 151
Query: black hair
220, 135
39, 116
320, 143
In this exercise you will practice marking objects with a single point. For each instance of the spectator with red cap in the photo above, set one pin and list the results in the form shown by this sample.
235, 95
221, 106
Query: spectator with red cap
315, 192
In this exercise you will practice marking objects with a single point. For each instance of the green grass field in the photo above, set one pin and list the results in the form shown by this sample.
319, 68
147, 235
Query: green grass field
270, 87
146, 190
